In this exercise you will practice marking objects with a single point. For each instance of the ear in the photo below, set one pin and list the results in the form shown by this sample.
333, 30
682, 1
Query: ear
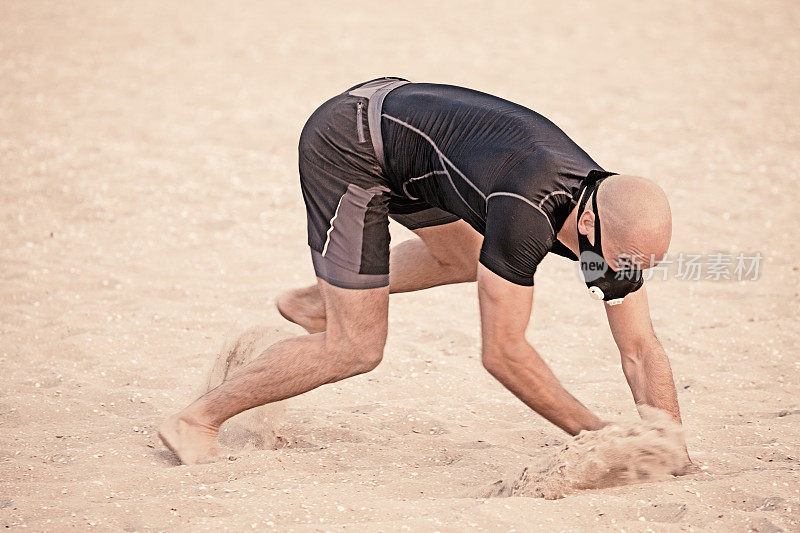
586, 225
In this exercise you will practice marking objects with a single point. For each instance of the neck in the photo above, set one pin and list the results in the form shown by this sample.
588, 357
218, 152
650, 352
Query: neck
569, 232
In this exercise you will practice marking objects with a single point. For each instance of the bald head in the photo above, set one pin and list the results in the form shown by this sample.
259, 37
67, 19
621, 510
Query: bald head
635, 219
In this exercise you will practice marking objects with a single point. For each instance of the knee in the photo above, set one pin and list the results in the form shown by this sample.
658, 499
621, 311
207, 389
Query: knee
355, 357
367, 360
454, 260
460, 265
461, 257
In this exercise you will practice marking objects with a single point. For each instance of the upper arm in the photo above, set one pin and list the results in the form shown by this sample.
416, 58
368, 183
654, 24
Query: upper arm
505, 311
630, 322
517, 237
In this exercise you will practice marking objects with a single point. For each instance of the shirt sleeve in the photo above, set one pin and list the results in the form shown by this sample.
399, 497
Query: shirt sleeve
517, 238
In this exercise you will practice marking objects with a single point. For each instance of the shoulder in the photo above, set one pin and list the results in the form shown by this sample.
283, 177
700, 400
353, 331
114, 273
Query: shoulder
539, 179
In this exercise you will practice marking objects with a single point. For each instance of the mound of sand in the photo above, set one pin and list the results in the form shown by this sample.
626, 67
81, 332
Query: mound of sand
256, 427
643, 451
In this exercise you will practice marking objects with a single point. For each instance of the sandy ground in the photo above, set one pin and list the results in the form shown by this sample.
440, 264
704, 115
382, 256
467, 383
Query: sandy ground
150, 206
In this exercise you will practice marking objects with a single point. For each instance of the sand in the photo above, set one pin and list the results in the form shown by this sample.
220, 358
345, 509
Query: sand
645, 450
150, 207
259, 427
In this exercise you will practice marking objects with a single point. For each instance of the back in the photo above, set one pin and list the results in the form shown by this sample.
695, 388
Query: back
506, 170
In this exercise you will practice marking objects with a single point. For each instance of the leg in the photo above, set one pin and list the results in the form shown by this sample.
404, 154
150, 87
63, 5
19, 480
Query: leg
440, 256
352, 344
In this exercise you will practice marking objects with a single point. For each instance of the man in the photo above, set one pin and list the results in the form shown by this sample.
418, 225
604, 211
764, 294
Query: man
489, 187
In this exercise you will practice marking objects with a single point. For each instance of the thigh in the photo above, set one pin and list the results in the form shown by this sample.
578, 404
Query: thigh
356, 317
453, 242
346, 198
354, 253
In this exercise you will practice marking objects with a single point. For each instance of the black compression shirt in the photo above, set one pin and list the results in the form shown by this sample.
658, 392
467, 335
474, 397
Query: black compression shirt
506, 170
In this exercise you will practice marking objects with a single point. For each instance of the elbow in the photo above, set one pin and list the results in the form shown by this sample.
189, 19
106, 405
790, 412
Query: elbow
632, 353
499, 359
492, 362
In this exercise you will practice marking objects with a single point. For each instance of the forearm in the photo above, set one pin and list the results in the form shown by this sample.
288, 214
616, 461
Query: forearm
649, 376
522, 371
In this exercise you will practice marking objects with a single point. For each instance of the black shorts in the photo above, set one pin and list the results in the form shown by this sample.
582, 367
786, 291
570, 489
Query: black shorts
348, 199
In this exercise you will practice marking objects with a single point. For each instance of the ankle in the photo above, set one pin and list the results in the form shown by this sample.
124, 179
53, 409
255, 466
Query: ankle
205, 423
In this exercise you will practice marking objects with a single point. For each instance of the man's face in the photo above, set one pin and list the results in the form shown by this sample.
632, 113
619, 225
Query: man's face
620, 257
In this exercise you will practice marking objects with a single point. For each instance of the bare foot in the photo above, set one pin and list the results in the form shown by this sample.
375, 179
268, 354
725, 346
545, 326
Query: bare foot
192, 442
303, 307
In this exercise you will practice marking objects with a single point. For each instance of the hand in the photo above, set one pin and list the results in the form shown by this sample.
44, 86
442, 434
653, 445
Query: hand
688, 468
604, 423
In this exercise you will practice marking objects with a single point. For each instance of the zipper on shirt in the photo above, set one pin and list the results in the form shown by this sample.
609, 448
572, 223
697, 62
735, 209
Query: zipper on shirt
360, 121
